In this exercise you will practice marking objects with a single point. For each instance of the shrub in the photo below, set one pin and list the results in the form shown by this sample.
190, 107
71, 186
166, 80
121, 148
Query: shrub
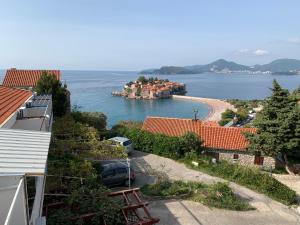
217, 195
160, 144
166, 189
250, 177
220, 195
93, 119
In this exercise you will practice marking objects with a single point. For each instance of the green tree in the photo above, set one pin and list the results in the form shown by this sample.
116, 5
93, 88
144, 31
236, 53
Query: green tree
142, 79
191, 143
277, 125
296, 94
228, 114
48, 84
226, 117
93, 119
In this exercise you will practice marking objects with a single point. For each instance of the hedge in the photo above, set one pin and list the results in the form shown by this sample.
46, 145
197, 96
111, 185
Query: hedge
159, 144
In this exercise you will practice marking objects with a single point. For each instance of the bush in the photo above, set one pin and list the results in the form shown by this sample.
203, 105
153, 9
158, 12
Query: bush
160, 144
166, 189
250, 177
218, 195
93, 119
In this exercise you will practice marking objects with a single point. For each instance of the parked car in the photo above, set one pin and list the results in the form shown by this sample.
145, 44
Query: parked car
123, 142
117, 174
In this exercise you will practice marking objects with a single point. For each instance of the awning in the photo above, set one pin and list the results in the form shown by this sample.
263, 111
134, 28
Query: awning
23, 151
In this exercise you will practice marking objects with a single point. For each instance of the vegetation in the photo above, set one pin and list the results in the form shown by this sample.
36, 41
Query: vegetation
243, 107
87, 199
183, 149
48, 84
93, 119
149, 80
246, 104
229, 115
278, 126
173, 147
73, 182
296, 94
249, 177
218, 195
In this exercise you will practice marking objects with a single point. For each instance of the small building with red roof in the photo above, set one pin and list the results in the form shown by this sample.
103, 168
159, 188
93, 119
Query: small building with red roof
26, 78
223, 143
22, 109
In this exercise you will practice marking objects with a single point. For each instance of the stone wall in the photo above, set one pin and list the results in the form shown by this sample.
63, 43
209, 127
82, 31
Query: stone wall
246, 159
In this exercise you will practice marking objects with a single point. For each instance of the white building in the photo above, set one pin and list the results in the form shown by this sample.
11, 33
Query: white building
23, 160
25, 125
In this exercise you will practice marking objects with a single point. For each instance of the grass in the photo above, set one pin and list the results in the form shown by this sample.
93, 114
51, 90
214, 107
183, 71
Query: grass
218, 195
249, 177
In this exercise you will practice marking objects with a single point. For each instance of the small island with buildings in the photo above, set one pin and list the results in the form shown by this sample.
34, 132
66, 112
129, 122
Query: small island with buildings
151, 88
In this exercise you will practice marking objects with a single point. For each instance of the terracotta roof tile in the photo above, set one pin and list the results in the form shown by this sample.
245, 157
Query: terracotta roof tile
214, 136
10, 100
25, 78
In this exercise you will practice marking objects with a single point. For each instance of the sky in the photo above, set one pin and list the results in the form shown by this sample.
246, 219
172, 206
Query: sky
141, 34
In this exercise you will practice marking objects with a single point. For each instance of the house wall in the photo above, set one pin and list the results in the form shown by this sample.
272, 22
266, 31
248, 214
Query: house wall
246, 159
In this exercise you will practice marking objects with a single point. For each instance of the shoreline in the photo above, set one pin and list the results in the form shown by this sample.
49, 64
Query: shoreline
216, 106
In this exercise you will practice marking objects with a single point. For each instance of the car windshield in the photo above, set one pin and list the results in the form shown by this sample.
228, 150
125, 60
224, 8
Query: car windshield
125, 143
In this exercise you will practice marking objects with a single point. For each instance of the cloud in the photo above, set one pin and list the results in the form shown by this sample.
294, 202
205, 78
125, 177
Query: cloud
294, 41
251, 52
245, 50
260, 52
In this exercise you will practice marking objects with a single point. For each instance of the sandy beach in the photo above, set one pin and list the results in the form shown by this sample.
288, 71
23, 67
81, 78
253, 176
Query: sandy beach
216, 106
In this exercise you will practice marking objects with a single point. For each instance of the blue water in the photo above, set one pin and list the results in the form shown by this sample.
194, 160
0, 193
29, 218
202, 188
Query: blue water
92, 91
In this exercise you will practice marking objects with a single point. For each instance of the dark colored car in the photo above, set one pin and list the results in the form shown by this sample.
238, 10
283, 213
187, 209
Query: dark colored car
116, 174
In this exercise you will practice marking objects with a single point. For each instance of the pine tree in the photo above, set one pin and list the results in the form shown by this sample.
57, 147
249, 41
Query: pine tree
48, 84
278, 125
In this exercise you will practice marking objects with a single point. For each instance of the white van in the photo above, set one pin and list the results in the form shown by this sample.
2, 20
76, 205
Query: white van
124, 142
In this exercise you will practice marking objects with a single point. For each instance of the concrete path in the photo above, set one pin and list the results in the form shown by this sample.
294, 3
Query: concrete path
175, 212
292, 181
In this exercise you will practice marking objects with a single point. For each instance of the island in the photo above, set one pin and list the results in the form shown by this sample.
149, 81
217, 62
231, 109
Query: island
151, 88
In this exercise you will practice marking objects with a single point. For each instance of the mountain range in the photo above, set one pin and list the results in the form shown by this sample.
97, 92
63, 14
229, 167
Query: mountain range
279, 66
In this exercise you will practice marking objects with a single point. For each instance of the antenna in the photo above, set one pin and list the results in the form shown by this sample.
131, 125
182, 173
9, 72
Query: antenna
195, 113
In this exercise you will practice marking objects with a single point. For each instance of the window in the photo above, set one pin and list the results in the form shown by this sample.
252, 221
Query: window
235, 156
125, 143
258, 160
121, 170
108, 173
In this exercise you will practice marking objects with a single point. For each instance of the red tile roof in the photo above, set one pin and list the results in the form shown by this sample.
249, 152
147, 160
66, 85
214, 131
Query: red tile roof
214, 136
25, 78
10, 100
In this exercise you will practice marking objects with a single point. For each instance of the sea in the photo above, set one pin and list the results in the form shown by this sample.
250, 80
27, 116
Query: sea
91, 91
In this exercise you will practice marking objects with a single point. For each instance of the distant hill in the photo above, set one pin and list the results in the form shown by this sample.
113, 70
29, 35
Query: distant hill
222, 65
169, 70
279, 66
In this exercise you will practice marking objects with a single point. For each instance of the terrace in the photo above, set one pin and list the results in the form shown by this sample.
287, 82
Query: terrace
35, 115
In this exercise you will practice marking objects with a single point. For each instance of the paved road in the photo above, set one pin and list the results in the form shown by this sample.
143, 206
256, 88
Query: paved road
175, 212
